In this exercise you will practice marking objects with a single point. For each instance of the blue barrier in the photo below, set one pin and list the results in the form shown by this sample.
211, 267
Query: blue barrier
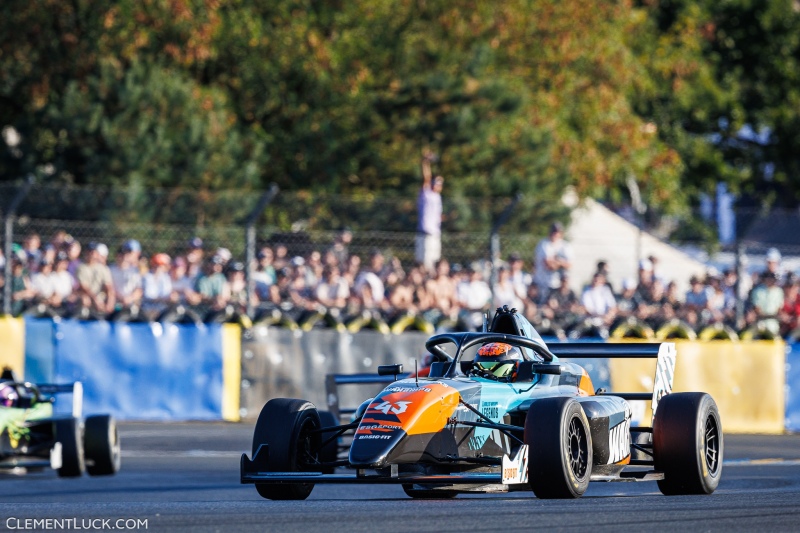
792, 387
143, 371
39, 350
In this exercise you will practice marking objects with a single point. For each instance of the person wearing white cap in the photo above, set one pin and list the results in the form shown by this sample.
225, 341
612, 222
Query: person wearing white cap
774, 264
95, 286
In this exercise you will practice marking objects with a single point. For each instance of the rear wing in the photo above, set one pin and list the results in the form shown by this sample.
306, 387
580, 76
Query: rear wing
76, 389
663, 352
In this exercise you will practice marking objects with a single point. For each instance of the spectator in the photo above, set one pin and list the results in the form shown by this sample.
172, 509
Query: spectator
553, 256
563, 302
767, 302
474, 297
126, 276
332, 291
716, 299
774, 264
194, 259
644, 281
504, 291
281, 259
442, 290
602, 268
629, 301
428, 244
264, 275
340, 249
31, 246
63, 282
236, 284
598, 300
182, 285
95, 285
372, 277
73, 249
697, 296
157, 287
790, 312
22, 292
519, 277
313, 268
211, 285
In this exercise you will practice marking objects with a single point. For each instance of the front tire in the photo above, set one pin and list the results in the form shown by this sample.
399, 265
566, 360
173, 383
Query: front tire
560, 458
101, 445
687, 443
286, 426
68, 434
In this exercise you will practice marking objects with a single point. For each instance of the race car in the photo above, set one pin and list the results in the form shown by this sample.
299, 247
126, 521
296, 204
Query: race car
32, 437
499, 411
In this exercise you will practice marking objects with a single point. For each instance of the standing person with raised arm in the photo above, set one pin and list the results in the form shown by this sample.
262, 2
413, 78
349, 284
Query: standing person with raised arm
428, 243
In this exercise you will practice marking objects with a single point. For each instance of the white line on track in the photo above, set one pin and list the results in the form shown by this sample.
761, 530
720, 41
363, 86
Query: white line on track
181, 453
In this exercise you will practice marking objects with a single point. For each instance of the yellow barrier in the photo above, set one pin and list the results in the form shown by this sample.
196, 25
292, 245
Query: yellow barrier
12, 344
231, 371
746, 380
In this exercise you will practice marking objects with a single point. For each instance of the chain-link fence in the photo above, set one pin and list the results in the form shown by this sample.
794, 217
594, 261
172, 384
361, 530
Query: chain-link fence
165, 221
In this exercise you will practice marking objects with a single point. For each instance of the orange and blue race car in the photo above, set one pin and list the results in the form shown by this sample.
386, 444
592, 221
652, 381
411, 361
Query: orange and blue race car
499, 411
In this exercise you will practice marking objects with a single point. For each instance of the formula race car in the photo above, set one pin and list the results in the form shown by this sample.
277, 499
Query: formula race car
499, 411
33, 438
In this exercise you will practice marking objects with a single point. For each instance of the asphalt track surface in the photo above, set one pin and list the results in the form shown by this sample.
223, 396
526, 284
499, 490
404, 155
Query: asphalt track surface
184, 477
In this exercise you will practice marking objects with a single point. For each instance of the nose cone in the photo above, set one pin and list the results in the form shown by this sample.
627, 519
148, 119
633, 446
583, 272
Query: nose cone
403, 409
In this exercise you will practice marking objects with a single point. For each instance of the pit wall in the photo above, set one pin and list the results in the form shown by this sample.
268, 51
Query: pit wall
217, 372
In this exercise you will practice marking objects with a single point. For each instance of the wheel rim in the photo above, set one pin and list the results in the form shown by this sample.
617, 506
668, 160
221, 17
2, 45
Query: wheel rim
712, 446
306, 453
577, 448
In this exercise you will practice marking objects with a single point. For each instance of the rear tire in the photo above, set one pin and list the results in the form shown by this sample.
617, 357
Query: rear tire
101, 445
688, 444
560, 458
68, 433
285, 425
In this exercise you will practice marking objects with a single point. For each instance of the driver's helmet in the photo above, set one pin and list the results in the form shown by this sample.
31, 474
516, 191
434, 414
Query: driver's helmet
9, 397
497, 360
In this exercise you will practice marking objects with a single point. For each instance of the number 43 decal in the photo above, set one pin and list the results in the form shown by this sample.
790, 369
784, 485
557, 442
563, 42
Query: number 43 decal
395, 408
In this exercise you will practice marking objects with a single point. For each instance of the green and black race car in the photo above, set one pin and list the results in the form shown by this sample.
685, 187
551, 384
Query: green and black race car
499, 411
32, 437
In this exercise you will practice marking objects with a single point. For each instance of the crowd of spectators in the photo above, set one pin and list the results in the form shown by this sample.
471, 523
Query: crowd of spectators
69, 278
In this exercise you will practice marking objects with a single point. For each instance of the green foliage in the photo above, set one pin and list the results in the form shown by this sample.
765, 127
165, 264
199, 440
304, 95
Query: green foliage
342, 98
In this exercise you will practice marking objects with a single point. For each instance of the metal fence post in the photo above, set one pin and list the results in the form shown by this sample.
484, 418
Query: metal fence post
10, 217
494, 240
250, 243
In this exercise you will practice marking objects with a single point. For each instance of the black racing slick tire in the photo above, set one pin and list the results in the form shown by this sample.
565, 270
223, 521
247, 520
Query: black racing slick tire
68, 434
101, 445
687, 443
286, 426
560, 454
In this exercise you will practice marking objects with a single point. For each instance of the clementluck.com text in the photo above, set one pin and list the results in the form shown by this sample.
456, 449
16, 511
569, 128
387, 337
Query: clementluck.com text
61, 524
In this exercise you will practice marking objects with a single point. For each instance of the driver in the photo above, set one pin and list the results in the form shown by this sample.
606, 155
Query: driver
497, 361
9, 397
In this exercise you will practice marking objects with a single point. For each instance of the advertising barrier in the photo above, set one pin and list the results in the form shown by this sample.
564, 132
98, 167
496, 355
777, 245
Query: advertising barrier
746, 380
793, 388
12, 344
141, 371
